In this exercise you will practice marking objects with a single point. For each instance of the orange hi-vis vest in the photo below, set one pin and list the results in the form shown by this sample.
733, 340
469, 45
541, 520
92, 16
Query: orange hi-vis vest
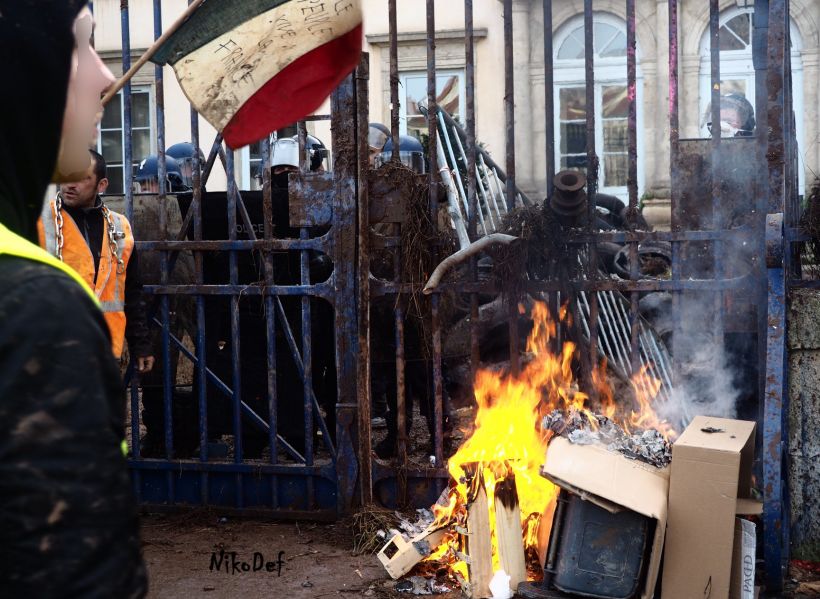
109, 286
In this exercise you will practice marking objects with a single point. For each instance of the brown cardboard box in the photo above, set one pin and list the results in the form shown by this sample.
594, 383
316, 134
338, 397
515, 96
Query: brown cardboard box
606, 478
711, 470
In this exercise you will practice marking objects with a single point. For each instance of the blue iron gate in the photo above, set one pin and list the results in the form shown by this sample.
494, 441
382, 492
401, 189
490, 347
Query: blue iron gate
243, 286
315, 468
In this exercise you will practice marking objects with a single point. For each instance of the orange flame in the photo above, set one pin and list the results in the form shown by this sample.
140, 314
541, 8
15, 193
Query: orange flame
507, 436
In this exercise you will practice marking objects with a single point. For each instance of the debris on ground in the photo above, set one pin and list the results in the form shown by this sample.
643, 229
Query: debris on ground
586, 428
419, 585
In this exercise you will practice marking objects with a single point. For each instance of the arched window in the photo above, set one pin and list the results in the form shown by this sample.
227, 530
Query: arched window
737, 72
610, 102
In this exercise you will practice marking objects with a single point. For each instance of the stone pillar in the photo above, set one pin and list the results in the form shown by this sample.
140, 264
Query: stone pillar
522, 88
804, 434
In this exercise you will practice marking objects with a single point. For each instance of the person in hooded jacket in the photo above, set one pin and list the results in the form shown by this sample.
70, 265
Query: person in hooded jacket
68, 518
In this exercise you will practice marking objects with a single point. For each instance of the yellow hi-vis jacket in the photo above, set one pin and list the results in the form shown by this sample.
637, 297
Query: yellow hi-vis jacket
109, 286
12, 244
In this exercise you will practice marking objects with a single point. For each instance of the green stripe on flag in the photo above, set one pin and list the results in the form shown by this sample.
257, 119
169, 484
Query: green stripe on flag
209, 21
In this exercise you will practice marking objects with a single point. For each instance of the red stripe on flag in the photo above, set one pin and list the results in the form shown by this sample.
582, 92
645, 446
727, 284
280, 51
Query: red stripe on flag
295, 91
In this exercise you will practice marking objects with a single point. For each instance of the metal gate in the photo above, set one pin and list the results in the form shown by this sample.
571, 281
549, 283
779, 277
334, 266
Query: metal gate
221, 270
325, 478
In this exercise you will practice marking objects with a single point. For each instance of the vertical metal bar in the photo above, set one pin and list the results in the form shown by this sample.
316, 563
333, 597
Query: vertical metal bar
125, 95
432, 149
717, 208
307, 361
394, 78
775, 424
167, 383
401, 402
632, 176
236, 369
674, 160
363, 273
301, 135
592, 173
469, 95
127, 149
201, 366
270, 321
509, 103
549, 98
509, 114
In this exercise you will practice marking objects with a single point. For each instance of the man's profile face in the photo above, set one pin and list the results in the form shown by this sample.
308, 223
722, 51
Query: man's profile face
83, 193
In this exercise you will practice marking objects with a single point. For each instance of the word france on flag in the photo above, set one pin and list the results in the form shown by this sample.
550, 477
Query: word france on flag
250, 67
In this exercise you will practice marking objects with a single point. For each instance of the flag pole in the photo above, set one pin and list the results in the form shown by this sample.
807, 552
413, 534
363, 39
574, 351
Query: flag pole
150, 51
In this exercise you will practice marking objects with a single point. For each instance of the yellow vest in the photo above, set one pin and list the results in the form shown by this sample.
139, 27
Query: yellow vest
11, 244
109, 286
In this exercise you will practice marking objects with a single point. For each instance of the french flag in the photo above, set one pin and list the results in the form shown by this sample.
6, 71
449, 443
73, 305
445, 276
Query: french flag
250, 67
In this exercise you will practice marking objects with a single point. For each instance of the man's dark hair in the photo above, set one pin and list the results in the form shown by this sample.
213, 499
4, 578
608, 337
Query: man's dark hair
100, 168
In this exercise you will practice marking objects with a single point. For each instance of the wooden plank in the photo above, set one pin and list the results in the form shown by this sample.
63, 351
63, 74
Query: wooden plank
508, 531
479, 546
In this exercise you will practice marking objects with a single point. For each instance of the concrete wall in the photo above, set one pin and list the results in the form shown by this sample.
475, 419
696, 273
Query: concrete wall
804, 422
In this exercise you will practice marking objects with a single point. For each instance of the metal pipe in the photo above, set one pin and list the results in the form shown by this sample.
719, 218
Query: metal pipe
454, 165
487, 182
475, 210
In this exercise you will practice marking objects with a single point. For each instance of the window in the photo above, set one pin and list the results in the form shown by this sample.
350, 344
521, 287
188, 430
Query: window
610, 102
737, 71
413, 90
111, 141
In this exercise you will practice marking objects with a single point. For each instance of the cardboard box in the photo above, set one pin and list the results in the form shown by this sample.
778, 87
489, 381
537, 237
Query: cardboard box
711, 470
398, 556
614, 482
743, 560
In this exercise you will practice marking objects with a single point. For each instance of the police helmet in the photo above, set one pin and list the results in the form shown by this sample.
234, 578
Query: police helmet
411, 153
147, 176
284, 153
184, 153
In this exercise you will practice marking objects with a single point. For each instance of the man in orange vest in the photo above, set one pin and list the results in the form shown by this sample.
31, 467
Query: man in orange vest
79, 229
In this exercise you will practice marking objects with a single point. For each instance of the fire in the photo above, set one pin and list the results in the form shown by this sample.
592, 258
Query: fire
508, 439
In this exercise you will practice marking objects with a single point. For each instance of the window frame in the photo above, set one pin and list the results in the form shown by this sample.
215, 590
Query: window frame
135, 89
569, 73
737, 65
403, 75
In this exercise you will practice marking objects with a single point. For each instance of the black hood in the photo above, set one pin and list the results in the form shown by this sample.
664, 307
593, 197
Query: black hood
36, 45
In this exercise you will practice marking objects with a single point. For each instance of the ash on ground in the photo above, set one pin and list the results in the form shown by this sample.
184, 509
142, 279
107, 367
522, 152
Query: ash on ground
647, 446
